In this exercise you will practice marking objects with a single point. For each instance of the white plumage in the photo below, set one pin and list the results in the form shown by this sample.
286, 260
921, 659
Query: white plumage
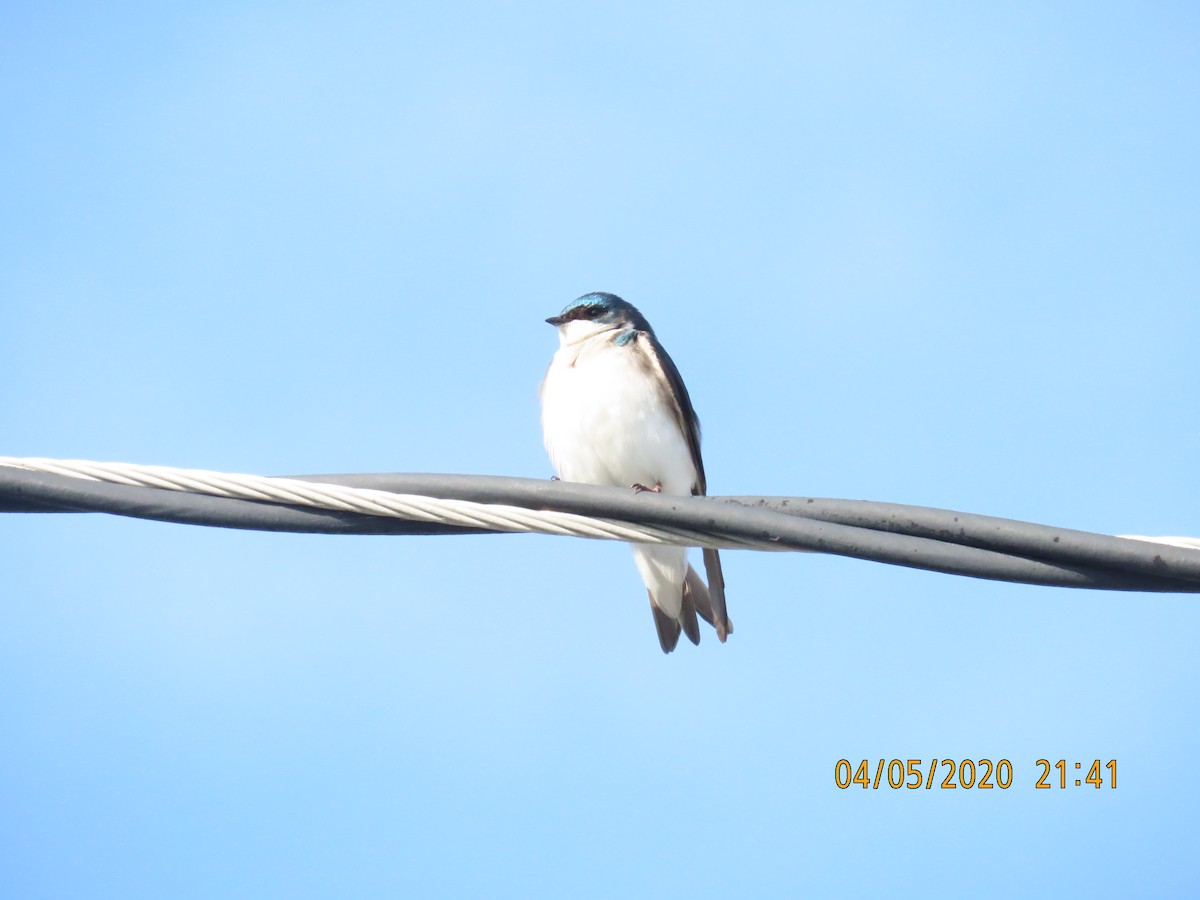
610, 416
605, 422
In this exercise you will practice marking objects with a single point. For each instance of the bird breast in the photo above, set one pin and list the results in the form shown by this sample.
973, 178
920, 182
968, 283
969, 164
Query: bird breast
608, 419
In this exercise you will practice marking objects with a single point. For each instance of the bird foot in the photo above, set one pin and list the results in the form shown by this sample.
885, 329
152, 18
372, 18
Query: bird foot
638, 488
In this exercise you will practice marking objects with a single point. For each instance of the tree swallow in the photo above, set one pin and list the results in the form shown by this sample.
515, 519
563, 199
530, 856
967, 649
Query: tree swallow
616, 412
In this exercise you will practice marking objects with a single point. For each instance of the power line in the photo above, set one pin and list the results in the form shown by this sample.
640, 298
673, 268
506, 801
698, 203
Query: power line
918, 537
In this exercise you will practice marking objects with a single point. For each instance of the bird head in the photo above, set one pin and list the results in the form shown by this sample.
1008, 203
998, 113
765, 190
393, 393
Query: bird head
594, 313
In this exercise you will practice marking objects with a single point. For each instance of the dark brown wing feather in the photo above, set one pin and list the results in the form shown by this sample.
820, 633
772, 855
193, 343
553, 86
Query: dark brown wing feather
716, 593
685, 413
689, 424
702, 599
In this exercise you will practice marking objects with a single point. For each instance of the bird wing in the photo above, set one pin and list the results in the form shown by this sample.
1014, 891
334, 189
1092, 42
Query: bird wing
663, 367
689, 423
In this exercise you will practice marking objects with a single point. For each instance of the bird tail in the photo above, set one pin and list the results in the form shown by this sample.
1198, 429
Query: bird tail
709, 600
667, 627
695, 598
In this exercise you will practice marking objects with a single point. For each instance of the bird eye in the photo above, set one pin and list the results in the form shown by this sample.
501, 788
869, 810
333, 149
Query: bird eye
593, 312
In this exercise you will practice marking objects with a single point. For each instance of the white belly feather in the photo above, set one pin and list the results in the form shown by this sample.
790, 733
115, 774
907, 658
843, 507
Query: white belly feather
606, 421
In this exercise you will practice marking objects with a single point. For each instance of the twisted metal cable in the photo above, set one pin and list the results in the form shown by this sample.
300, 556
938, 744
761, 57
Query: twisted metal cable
919, 537
483, 517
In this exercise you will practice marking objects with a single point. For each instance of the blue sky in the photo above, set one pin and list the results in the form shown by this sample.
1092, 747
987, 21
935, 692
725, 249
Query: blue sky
942, 255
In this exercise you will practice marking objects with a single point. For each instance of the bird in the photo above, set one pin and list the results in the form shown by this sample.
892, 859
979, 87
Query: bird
615, 412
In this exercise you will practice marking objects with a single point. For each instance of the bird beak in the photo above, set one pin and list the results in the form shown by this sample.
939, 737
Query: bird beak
556, 320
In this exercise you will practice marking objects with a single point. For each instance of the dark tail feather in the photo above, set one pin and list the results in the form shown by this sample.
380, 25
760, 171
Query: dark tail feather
694, 588
687, 614
716, 593
668, 628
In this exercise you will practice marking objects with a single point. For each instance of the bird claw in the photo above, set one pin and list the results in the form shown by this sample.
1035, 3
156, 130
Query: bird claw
638, 487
